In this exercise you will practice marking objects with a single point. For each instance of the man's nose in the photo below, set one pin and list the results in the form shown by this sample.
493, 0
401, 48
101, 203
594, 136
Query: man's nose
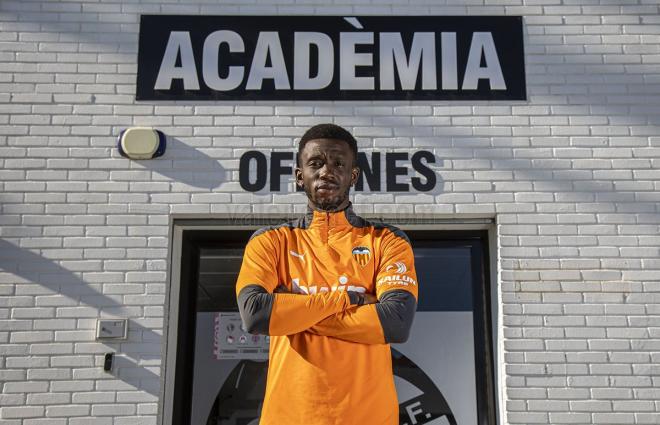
327, 169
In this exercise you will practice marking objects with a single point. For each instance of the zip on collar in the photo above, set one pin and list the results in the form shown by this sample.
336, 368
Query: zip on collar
345, 217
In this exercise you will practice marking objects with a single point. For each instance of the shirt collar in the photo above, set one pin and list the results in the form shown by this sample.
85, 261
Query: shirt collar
339, 218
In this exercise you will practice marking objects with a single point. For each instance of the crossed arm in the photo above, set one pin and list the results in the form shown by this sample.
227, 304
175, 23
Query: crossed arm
346, 315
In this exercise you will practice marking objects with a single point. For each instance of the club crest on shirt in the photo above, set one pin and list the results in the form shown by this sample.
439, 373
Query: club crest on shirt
362, 255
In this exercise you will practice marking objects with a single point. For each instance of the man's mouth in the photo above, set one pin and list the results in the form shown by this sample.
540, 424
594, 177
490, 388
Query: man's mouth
326, 187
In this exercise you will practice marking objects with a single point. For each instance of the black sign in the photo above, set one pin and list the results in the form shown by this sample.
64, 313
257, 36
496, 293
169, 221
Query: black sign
330, 58
280, 166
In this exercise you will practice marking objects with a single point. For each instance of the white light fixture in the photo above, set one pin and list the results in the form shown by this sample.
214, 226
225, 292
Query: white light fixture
141, 143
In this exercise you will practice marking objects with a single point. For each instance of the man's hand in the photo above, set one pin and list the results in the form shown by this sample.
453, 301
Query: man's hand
360, 298
370, 299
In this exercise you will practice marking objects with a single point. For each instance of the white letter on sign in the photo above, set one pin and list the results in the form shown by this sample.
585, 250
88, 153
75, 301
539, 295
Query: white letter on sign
268, 43
301, 61
210, 60
483, 42
392, 50
449, 60
179, 42
350, 59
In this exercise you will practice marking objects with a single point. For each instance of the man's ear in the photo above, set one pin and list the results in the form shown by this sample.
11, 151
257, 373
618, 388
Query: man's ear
355, 173
299, 177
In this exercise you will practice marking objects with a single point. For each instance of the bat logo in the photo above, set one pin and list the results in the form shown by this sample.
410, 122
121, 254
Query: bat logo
399, 266
362, 255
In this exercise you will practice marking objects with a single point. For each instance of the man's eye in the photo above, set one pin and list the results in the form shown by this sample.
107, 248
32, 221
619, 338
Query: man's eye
314, 164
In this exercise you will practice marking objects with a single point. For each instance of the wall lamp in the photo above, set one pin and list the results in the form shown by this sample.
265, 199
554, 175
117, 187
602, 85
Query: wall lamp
141, 143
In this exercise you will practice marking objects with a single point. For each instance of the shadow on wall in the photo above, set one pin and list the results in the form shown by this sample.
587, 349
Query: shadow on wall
186, 164
407, 176
135, 360
584, 96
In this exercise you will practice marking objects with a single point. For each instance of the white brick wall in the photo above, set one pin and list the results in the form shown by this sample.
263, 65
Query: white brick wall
571, 177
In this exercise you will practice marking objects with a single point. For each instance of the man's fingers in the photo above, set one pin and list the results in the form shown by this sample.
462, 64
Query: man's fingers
370, 299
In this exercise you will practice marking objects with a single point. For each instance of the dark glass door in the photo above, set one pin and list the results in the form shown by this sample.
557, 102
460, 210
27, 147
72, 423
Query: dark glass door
443, 373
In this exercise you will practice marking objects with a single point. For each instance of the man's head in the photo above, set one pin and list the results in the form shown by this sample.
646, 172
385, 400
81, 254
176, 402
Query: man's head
327, 158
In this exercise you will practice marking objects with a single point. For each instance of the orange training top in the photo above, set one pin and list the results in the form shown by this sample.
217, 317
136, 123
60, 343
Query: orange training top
328, 360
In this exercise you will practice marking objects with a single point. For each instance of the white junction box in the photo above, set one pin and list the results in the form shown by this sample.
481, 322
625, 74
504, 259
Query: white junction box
112, 329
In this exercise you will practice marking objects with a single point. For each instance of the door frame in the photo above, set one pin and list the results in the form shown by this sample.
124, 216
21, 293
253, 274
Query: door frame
180, 228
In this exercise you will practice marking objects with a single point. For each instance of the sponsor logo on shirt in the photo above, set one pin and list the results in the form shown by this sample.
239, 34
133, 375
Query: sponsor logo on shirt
396, 279
298, 288
362, 255
399, 266
297, 255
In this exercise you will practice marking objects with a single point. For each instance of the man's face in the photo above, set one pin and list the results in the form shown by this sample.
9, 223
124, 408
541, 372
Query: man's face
327, 173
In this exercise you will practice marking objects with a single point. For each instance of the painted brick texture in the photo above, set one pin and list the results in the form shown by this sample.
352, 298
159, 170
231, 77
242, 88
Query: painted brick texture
571, 177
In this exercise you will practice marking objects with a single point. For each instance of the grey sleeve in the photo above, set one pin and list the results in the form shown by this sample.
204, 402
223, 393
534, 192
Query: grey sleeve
396, 311
255, 305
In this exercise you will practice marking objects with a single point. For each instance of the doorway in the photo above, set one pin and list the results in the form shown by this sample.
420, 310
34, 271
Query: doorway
444, 373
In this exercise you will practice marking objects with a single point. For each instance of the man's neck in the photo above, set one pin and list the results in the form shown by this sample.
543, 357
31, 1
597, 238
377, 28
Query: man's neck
340, 208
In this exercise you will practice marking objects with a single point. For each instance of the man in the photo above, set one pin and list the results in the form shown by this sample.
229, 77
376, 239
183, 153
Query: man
332, 290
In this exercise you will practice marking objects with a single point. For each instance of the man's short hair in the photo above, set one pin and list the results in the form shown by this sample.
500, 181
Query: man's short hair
328, 131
